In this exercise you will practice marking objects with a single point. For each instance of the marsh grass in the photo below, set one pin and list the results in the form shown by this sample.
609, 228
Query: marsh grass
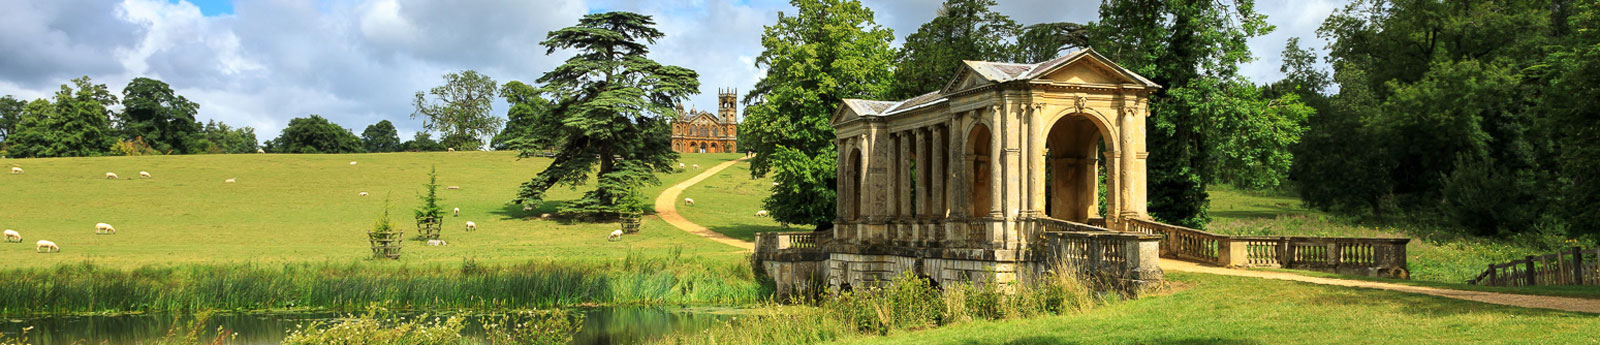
87, 288
906, 303
380, 326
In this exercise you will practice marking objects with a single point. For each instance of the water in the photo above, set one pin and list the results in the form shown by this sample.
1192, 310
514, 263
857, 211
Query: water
609, 325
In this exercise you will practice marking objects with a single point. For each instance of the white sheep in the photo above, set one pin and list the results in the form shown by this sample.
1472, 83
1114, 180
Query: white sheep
111, 176
436, 243
231, 180
42, 244
471, 226
451, 149
688, 201
352, 162
144, 174
680, 166
103, 228
261, 151
696, 166
761, 213
616, 235
16, 170
452, 187
13, 236
457, 212
527, 207
544, 216
363, 193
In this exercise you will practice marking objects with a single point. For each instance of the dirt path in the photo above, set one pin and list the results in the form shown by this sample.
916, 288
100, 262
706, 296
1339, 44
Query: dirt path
667, 208
1528, 301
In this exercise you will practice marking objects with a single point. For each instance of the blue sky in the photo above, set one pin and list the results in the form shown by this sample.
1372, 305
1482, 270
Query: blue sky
260, 63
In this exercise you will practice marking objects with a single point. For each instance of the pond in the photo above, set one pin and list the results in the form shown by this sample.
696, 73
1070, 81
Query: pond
606, 325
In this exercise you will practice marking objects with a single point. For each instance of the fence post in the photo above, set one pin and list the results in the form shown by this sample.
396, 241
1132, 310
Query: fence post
1529, 272
1494, 275
1577, 266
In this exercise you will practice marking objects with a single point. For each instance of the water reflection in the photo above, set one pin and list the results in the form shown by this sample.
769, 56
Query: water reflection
610, 325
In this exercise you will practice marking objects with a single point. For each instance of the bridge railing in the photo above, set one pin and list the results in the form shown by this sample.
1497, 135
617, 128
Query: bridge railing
1095, 249
1576, 266
1380, 257
791, 246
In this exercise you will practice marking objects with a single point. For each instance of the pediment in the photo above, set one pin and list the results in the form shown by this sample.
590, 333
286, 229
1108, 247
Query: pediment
1087, 67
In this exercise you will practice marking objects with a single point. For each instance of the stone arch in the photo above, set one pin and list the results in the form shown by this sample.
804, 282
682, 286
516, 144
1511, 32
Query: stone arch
1072, 153
978, 147
1094, 116
854, 176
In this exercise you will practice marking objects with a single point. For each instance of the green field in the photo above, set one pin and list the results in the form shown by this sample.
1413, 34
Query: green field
727, 203
301, 208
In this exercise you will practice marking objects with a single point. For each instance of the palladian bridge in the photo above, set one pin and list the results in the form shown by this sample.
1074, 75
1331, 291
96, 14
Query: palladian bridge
1011, 170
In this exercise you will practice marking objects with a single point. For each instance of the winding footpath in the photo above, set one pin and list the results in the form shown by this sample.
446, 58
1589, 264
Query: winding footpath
667, 208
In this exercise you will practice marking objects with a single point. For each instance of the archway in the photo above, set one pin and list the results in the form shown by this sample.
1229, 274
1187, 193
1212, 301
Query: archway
978, 146
1073, 173
853, 178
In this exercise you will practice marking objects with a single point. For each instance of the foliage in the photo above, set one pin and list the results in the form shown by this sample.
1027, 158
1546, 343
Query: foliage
532, 327
10, 115
1042, 42
422, 142
830, 50
460, 141
962, 30
314, 134
165, 120
460, 107
528, 111
608, 102
429, 212
378, 327
381, 137
1572, 85
219, 138
133, 147
77, 124
1193, 49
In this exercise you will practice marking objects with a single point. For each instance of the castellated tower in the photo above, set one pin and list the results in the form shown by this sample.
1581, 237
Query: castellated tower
728, 105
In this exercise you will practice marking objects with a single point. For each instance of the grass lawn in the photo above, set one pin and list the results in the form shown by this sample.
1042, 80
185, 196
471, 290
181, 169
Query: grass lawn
727, 203
302, 208
1232, 310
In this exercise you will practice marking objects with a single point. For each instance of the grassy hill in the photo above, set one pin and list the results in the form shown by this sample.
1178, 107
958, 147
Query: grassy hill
300, 208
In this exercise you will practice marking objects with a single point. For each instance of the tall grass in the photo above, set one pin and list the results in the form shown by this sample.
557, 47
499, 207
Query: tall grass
906, 303
636, 280
379, 326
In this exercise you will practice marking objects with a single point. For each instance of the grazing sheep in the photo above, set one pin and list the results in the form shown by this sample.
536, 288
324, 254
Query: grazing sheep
452, 187
436, 243
761, 213
527, 207
103, 228
42, 244
696, 166
352, 162
471, 226
457, 212
688, 201
363, 193
451, 149
774, 184
16, 170
680, 166
111, 176
544, 216
261, 151
616, 235
231, 180
13, 236
144, 174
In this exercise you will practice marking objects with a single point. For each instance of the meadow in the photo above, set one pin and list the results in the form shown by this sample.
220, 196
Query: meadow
727, 203
303, 208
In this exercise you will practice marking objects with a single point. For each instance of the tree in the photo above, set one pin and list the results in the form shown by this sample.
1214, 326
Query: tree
381, 137
77, 124
460, 108
314, 134
962, 30
10, 115
528, 110
223, 139
609, 102
1193, 48
422, 142
830, 50
1042, 42
165, 120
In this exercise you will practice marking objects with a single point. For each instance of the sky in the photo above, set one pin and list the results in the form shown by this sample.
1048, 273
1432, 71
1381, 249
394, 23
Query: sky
259, 63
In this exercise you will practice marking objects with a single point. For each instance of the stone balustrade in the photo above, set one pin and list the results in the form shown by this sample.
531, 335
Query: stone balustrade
1376, 257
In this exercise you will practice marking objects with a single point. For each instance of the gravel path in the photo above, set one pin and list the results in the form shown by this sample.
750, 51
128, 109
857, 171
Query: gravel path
667, 208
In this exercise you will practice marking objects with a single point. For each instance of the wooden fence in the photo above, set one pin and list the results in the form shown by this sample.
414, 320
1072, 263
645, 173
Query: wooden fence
1378, 257
1576, 266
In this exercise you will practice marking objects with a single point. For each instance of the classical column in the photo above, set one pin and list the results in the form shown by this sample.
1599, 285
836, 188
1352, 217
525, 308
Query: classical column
893, 174
1129, 154
1036, 159
937, 174
960, 169
843, 181
905, 175
924, 167
1014, 128
996, 163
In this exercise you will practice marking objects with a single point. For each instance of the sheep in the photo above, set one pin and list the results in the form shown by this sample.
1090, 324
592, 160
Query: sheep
42, 244
761, 213
457, 212
452, 187
774, 184
144, 174
451, 149
103, 228
688, 201
696, 166
471, 226
16, 170
616, 235
527, 207
363, 194
680, 166
13, 236
544, 216
111, 176
261, 151
436, 243
231, 180
352, 162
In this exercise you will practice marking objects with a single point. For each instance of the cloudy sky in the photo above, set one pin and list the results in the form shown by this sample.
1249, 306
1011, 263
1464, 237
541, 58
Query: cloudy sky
260, 63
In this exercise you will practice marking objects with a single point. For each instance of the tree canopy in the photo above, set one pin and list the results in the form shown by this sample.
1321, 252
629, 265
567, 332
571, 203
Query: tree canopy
165, 120
606, 114
76, 124
314, 134
381, 137
528, 111
460, 109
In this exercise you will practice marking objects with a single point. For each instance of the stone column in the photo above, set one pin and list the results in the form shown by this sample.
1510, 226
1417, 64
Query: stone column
1113, 179
938, 175
1137, 177
1014, 128
1129, 154
1036, 159
997, 168
905, 175
843, 181
924, 168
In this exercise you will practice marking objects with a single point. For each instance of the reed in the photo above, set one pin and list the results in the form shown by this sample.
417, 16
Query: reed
636, 280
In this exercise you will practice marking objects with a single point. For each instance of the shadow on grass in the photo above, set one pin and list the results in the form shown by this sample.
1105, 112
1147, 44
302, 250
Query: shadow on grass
747, 231
1047, 340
